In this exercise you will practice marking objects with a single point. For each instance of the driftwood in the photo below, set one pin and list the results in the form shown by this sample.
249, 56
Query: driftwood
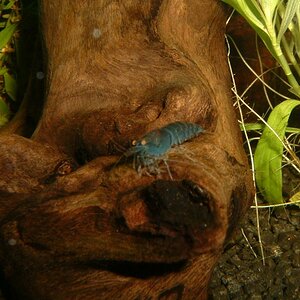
78, 223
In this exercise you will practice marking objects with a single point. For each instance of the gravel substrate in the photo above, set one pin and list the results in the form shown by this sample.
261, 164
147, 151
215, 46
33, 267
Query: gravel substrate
240, 274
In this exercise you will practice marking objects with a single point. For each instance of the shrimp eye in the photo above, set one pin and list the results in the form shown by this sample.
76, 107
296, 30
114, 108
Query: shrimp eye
133, 143
143, 142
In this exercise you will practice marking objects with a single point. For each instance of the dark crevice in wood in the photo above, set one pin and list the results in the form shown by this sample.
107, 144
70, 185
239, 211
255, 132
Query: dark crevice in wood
180, 204
137, 270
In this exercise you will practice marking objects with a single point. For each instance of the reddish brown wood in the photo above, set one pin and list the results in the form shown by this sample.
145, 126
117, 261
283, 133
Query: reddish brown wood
74, 224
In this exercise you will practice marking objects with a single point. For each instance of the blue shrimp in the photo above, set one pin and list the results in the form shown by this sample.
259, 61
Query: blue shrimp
155, 144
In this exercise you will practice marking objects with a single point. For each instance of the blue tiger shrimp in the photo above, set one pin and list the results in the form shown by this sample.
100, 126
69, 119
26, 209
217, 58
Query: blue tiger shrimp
152, 147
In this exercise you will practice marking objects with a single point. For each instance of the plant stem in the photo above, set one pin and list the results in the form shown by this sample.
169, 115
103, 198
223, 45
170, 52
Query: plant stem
286, 68
280, 57
290, 55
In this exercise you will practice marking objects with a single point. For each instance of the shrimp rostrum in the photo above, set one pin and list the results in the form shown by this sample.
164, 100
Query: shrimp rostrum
152, 147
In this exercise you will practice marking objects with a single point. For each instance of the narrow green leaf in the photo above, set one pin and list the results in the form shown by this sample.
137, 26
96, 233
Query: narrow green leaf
6, 34
268, 153
256, 19
249, 10
296, 32
4, 112
296, 198
252, 126
9, 4
10, 86
269, 9
292, 7
261, 126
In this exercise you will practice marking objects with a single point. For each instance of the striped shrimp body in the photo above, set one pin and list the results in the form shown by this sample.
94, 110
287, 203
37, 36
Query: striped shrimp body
155, 144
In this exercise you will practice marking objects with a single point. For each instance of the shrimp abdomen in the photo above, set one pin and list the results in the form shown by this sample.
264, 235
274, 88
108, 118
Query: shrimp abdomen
182, 131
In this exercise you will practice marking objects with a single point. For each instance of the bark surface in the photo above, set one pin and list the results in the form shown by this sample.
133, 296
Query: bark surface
76, 222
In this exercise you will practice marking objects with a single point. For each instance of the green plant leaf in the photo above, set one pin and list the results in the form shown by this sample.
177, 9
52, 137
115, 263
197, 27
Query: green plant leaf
3, 70
253, 14
292, 7
4, 112
249, 10
261, 126
296, 32
9, 4
269, 150
269, 8
6, 34
10, 86
296, 198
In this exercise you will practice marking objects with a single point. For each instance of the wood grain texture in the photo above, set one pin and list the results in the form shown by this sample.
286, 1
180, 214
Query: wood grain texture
75, 224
